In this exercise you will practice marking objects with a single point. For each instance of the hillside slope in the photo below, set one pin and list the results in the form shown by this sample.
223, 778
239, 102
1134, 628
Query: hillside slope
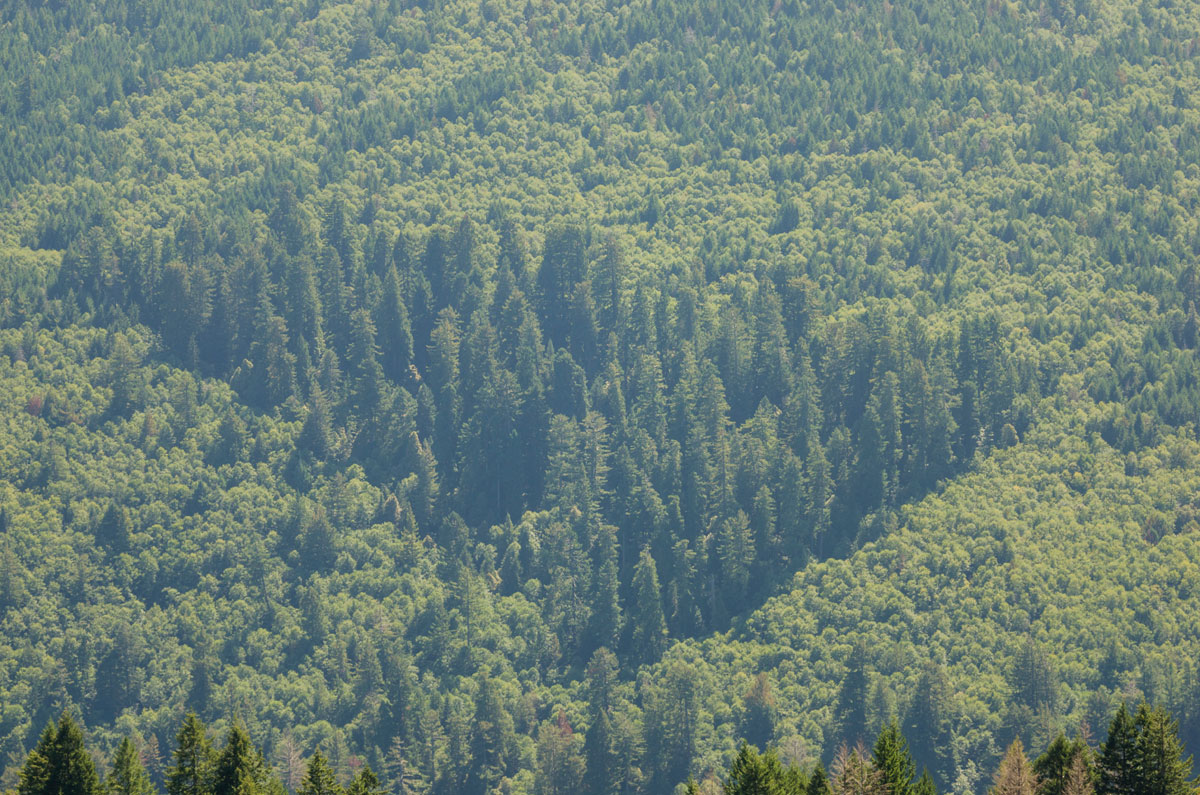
405, 378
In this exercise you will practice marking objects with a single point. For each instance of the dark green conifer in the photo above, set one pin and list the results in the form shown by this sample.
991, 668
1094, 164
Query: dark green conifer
128, 776
190, 772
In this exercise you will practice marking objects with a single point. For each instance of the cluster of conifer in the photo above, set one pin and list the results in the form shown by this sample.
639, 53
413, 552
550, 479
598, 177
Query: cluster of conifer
1142, 755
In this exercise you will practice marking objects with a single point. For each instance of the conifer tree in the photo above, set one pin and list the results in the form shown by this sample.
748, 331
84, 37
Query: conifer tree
128, 776
394, 328
1162, 764
1080, 780
1118, 763
852, 700
115, 528
925, 785
647, 624
759, 711
893, 760
1015, 775
1054, 766
319, 778
59, 764
191, 768
365, 783
818, 782
600, 763
754, 774
238, 769
855, 774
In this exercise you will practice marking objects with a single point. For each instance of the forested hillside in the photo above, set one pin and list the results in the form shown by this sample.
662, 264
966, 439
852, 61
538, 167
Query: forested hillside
480, 389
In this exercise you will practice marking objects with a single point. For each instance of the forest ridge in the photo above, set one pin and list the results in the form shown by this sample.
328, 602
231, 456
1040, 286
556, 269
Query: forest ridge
479, 389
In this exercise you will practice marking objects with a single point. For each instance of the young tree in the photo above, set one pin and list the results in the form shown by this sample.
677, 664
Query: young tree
600, 763
560, 768
128, 776
115, 528
319, 778
754, 774
852, 700
1079, 778
893, 761
365, 782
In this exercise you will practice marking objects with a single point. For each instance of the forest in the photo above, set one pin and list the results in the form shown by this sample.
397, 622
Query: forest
639, 396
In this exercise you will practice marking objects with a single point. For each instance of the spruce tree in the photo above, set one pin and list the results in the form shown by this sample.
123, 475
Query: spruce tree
59, 764
1163, 767
1119, 773
319, 778
893, 761
818, 782
852, 700
75, 771
128, 776
191, 769
365, 783
1053, 767
238, 768
115, 528
600, 762
394, 329
754, 774
647, 624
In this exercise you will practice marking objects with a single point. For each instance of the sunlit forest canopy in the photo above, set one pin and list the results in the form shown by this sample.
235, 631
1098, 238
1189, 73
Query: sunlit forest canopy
504, 392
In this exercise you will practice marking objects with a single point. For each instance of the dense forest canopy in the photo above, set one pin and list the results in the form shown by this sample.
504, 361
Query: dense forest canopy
489, 391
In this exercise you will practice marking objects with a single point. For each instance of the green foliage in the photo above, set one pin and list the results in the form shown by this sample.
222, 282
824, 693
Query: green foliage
350, 350
128, 776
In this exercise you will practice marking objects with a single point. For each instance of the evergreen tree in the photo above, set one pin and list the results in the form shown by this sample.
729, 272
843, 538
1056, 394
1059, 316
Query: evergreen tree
929, 722
1118, 763
365, 783
319, 778
362, 365
754, 774
115, 528
128, 776
59, 764
818, 782
492, 739
1163, 767
191, 768
1054, 766
238, 768
600, 762
395, 330
759, 712
893, 761
560, 769
647, 624
852, 700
